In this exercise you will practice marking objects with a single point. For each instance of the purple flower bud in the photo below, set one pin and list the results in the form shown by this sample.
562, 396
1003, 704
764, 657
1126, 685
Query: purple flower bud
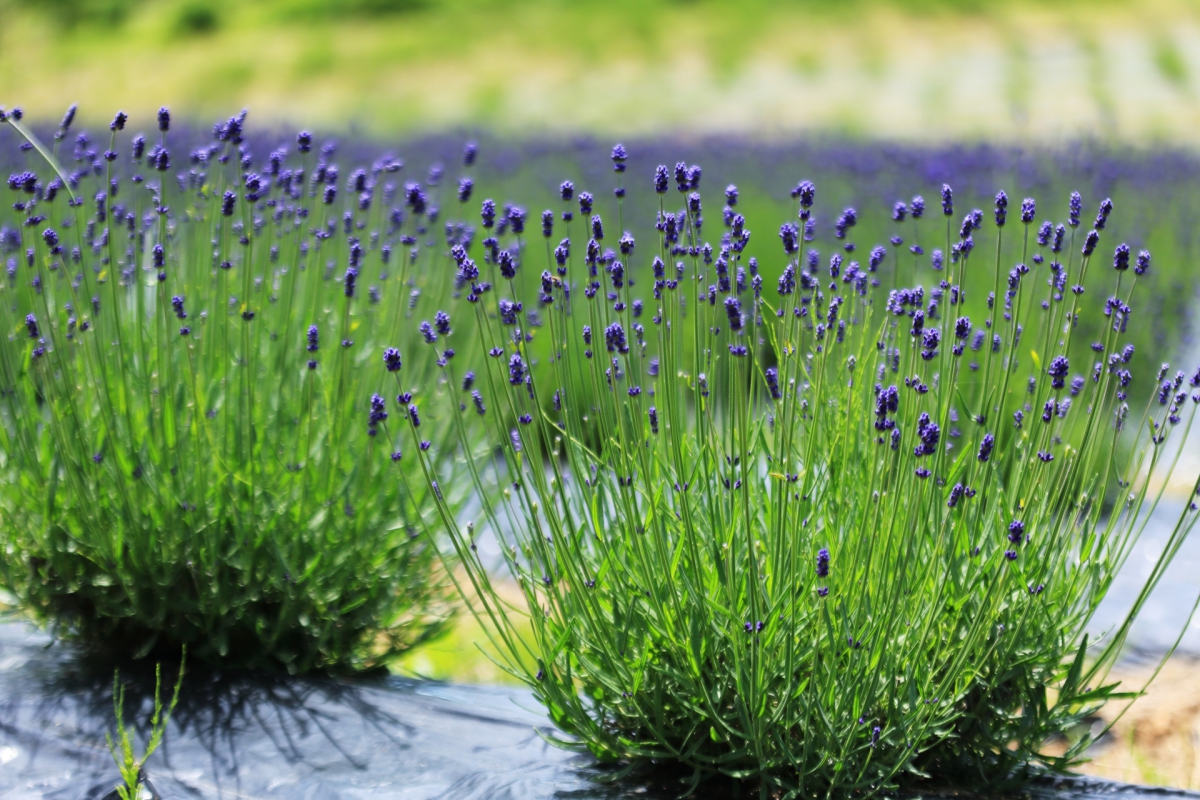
1121, 258
823, 563
733, 310
661, 179
618, 157
516, 370
917, 207
1142, 265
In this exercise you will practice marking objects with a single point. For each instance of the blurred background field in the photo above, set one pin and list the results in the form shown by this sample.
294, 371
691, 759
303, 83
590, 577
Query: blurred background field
917, 70
1122, 76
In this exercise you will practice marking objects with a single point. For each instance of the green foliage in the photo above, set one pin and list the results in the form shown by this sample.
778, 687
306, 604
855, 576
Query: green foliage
739, 557
101, 13
172, 469
197, 17
123, 751
1170, 62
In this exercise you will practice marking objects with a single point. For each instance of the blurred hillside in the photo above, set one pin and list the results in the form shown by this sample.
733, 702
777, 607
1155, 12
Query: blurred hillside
910, 69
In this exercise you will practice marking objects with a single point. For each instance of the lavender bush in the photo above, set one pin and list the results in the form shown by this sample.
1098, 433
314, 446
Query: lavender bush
185, 454
825, 520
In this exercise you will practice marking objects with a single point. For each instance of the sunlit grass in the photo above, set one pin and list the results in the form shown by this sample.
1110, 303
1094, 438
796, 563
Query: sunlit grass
862, 67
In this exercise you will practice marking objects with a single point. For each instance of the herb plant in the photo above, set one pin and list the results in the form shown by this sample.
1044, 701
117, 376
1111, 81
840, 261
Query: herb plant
835, 522
123, 751
188, 357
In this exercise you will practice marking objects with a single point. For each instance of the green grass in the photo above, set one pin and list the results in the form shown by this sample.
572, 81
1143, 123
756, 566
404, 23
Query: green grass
402, 65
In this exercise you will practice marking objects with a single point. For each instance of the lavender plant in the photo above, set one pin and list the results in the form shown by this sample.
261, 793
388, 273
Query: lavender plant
823, 525
187, 437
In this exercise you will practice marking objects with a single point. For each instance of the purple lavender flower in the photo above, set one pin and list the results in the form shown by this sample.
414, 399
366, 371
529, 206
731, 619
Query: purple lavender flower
441, 320
1089, 242
876, 257
789, 234
1106, 207
787, 281
1044, 233
470, 151
661, 179
733, 310
350, 279
772, 377
1028, 210
619, 157
585, 203
377, 415
31, 325
487, 213
614, 338
929, 433
1121, 258
806, 192
847, 220
1075, 208
1001, 208
164, 119
1142, 265
947, 200
391, 356
516, 370
917, 206
1058, 369
1016, 531
823, 562
985, 447
516, 219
